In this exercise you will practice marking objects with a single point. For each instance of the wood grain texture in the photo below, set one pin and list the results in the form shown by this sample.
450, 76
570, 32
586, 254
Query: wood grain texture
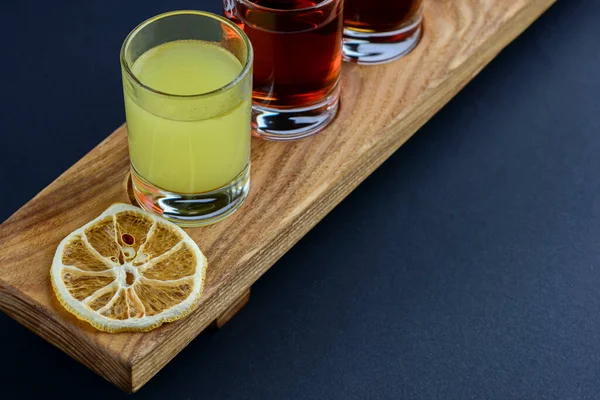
233, 309
294, 185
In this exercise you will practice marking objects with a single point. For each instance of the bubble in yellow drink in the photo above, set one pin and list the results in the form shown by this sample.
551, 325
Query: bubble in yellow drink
194, 145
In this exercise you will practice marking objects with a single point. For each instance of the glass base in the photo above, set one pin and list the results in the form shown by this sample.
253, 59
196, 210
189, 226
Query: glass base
381, 47
280, 124
190, 209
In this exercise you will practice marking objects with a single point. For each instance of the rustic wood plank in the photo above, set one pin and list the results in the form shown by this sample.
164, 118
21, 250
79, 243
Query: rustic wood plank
294, 185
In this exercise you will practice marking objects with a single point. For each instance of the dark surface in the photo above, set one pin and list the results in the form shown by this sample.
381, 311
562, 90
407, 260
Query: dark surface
476, 275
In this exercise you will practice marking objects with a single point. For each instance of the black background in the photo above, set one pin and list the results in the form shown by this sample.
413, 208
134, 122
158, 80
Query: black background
467, 266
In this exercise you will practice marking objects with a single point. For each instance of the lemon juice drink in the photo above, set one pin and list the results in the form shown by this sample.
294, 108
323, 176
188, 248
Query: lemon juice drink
192, 154
187, 85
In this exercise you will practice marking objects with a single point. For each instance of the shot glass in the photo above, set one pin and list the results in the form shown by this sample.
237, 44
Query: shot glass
380, 31
298, 48
187, 79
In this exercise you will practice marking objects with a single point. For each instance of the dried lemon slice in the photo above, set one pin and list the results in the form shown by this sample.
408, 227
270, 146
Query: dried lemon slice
128, 270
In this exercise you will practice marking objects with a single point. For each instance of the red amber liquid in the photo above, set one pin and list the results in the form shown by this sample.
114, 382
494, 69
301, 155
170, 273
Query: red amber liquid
379, 15
297, 55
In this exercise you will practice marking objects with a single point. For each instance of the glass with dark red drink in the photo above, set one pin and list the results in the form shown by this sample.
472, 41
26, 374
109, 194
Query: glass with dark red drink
297, 62
378, 31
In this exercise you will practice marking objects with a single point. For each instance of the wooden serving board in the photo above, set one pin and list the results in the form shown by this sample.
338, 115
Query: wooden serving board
293, 186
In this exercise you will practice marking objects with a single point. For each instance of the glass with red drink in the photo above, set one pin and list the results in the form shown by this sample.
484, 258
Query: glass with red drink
378, 31
297, 63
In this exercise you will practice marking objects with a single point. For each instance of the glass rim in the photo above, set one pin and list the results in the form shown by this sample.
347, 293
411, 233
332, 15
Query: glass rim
243, 73
278, 10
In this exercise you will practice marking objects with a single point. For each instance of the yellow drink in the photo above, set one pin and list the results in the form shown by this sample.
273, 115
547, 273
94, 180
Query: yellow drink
188, 144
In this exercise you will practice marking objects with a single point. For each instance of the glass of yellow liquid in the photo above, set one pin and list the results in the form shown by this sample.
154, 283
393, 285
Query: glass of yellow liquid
187, 79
